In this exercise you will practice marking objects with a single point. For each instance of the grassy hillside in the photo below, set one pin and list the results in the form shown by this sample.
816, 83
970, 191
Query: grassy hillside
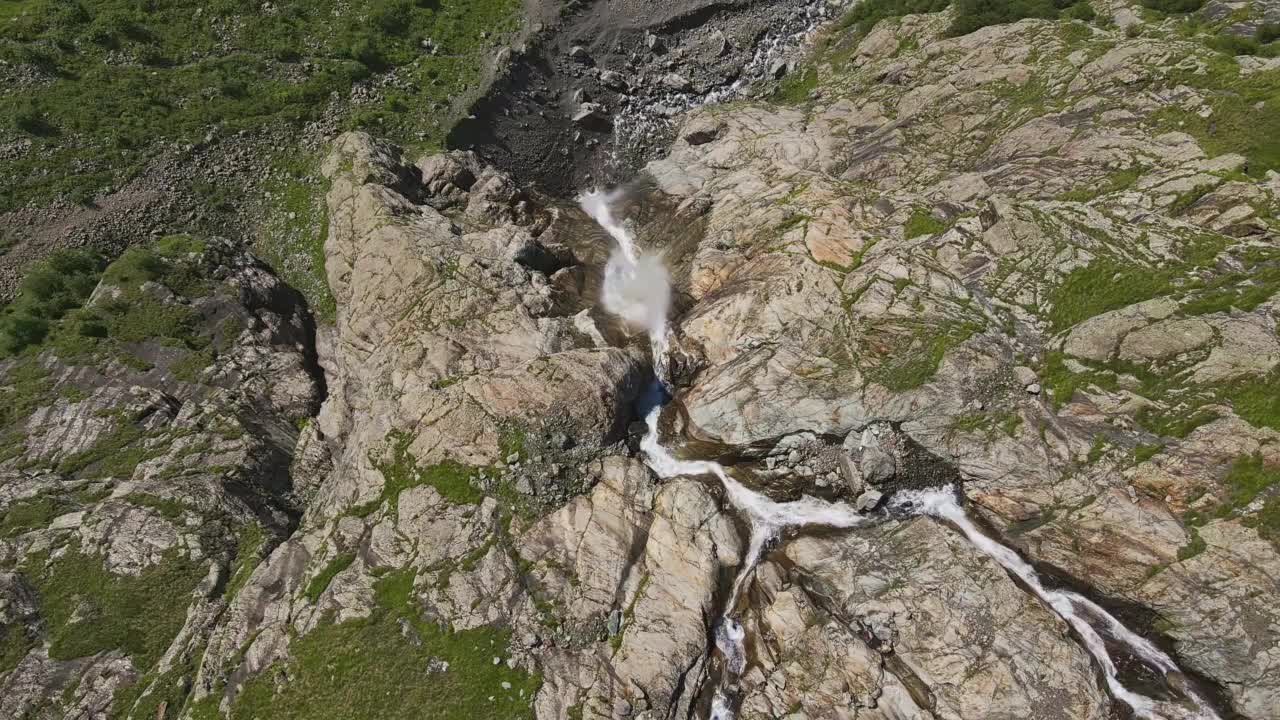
100, 87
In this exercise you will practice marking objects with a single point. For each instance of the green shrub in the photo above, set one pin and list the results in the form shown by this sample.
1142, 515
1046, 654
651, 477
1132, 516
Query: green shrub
1173, 6
143, 318
50, 289
864, 15
134, 267
1268, 33
1235, 44
1082, 11
973, 15
970, 15
30, 119
20, 331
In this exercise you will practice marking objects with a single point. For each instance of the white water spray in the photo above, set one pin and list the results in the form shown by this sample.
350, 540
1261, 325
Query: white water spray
1069, 606
636, 288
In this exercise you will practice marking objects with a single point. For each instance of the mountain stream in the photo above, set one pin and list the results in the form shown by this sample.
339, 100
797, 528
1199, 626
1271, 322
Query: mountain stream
637, 289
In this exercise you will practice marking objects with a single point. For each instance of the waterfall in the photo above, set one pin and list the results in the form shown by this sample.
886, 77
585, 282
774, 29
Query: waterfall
637, 290
1071, 607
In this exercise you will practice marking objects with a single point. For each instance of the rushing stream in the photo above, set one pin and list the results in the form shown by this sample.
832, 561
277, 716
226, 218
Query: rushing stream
637, 290
1074, 608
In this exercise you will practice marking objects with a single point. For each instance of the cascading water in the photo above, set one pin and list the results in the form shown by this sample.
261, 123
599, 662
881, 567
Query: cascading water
637, 289
1071, 607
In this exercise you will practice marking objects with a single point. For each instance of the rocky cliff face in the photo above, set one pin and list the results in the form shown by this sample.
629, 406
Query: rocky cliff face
1023, 262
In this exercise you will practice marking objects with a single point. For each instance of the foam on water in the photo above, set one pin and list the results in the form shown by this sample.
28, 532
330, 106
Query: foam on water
636, 287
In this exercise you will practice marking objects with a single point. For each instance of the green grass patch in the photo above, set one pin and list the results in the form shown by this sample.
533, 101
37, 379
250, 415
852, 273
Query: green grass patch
49, 289
1010, 423
32, 514
922, 222
914, 360
1256, 400
87, 610
26, 386
1248, 477
293, 235
513, 440
1101, 286
400, 471
127, 80
143, 318
1245, 117
168, 509
116, 453
1177, 423
169, 691
1183, 202
972, 422
795, 88
1244, 290
395, 588
15, 643
1267, 521
1062, 383
249, 551
321, 581
1118, 181
1021, 527
1143, 452
1193, 548
388, 667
